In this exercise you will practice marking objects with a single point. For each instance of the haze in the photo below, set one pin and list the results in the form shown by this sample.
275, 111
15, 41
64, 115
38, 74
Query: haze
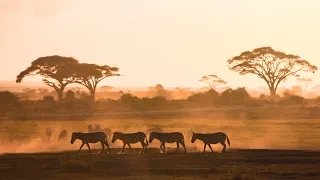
170, 42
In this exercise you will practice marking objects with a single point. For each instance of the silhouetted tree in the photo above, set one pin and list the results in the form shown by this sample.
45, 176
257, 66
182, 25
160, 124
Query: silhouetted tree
48, 104
272, 66
70, 95
234, 97
304, 83
207, 98
160, 91
89, 75
8, 101
213, 81
55, 68
7, 97
29, 93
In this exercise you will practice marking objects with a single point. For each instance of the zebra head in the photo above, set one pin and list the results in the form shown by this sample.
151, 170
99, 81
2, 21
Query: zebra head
194, 137
74, 137
152, 136
116, 135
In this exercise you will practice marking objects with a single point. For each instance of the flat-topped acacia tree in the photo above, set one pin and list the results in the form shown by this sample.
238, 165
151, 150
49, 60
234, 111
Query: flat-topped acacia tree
270, 65
213, 81
55, 70
89, 75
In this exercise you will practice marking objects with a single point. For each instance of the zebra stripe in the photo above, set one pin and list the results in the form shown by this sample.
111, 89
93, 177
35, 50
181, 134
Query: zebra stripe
63, 135
211, 138
131, 138
87, 138
173, 137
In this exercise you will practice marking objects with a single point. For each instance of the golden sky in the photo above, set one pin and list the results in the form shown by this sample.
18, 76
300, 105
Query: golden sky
172, 42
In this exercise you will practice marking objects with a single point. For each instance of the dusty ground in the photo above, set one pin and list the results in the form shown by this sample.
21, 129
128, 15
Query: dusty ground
261, 164
243, 134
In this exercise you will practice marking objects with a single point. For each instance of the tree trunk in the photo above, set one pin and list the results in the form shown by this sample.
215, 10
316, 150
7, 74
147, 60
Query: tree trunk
273, 93
60, 94
92, 94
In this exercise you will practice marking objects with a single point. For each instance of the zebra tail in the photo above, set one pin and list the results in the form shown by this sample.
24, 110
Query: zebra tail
228, 140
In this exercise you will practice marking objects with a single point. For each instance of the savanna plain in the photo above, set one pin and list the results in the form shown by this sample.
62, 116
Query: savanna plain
260, 149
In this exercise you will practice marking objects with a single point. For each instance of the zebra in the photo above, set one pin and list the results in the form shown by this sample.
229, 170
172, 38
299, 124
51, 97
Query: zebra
131, 138
63, 135
173, 137
87, 138
211, 138
106, 130
49, 133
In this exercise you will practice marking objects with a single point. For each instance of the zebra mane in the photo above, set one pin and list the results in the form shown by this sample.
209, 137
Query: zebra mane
77, 133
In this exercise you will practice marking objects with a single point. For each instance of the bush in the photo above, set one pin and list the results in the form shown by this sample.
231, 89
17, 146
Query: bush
292, 100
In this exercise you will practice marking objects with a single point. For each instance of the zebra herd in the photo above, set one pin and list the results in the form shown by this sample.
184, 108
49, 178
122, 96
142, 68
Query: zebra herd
132, 138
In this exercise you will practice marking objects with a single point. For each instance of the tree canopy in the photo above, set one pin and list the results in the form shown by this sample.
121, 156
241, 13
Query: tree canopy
270, 65
55, 70
213, 81
89, 75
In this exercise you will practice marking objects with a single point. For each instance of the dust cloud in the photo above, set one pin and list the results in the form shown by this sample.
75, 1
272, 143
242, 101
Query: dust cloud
30, 137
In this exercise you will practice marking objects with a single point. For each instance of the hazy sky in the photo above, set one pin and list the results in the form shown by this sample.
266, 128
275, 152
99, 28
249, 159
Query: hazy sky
172, 42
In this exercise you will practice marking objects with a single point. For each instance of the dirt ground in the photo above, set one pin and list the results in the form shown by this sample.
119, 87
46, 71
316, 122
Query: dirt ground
255, 151
254, 163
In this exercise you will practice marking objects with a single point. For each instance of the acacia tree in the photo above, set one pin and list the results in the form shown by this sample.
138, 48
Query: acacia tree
55, 70
212, 81
89, 75
304, 83
270, 65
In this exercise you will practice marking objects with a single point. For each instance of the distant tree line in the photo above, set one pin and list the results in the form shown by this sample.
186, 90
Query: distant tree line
73, 103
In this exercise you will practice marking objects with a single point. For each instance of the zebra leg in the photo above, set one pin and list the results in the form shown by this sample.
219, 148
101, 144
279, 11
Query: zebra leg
210, 147
161, 147
224, 146
130, 148
88, 148
123, 147
80, 148
107, 144
184, 146
177, 147
142, 143
204, 149
102, 147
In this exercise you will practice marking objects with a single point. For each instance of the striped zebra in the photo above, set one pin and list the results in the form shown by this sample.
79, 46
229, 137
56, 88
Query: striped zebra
211, 138
105, 130
87, 138
173, 137
131, 138
63, 135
